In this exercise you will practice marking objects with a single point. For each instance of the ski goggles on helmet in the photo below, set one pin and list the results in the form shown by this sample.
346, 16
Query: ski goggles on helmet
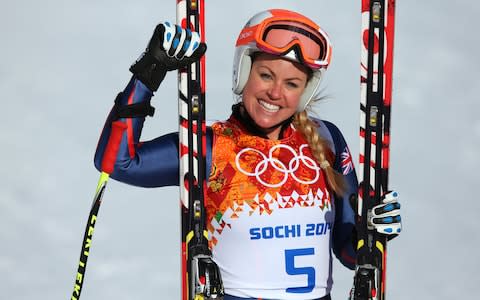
277, 36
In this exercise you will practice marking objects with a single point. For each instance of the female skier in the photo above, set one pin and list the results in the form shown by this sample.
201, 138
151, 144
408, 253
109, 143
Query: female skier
279, 182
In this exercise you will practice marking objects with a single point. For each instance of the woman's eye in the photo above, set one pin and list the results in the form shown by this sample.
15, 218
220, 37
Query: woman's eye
292, 84
265, 76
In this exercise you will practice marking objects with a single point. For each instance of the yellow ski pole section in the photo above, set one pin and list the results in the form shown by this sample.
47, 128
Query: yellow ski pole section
108, 163
87, 240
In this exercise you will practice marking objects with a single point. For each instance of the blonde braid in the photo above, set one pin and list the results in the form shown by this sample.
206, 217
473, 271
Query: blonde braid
320, 151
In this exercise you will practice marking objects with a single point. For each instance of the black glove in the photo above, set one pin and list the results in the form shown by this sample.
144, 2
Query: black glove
171, 47
385, 217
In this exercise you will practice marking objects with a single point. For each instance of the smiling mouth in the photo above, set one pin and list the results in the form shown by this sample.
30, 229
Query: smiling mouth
268, 106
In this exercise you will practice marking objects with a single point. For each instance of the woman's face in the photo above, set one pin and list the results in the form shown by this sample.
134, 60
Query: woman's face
272, 92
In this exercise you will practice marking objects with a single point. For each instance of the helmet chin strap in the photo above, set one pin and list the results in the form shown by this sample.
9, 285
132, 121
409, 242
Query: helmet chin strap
241, 114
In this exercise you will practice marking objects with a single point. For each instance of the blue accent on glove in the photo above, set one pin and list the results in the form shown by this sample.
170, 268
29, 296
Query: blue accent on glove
388, 220
389, 207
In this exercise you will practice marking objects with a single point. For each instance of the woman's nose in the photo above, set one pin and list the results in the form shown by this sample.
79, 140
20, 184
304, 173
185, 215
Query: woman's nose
275, 90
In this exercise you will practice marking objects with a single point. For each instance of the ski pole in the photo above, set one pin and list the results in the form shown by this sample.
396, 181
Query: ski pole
108, 163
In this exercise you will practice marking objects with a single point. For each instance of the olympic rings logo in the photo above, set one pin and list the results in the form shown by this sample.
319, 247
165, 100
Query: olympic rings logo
287, 170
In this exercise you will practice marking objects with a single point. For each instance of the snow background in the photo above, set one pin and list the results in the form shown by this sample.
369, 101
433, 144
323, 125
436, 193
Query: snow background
62, 64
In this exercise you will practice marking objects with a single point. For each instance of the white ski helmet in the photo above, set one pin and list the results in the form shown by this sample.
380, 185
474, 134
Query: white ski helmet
289, 35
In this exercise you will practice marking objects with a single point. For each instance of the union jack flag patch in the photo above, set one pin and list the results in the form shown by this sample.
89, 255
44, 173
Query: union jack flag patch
347, 162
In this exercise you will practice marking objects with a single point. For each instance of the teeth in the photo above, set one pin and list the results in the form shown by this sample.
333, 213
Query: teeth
269, 107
